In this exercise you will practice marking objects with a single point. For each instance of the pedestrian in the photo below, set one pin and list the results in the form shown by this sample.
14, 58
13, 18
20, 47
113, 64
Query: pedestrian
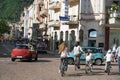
114, 51
89, 58
109, 58
118, 55
63, 51
77, 50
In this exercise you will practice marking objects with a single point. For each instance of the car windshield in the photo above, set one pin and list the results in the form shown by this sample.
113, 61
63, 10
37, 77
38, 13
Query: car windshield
93, 50
22, 47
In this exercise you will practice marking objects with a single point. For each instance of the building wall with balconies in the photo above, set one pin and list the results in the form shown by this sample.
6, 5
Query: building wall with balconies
113, 10
92, 19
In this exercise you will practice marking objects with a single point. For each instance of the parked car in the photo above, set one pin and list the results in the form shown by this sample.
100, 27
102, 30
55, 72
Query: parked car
24, 51
41, 47
98, 56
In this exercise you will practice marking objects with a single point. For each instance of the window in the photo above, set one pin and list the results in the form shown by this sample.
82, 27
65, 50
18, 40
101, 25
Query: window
92, 33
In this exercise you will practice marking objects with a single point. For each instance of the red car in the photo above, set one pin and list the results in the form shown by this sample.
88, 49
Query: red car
24, 51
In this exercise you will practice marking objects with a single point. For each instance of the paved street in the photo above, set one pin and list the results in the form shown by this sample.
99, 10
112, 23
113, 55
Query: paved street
46, 68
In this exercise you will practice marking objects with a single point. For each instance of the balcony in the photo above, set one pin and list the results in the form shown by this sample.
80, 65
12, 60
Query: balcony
55, 5
91, 16
73, 2
73, 20
42, 26
44, 13
114, 18
54, 23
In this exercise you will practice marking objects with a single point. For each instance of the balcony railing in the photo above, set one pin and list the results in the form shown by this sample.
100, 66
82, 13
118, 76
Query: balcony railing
53, 5
54, 23
115, 14
114, 18
73, 19
44, 12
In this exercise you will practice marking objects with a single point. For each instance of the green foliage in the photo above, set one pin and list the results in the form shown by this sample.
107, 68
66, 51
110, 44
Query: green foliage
114, 7
11, 9
4, 28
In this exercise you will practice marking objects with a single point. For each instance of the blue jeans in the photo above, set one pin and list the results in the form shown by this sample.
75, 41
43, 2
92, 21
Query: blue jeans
119, 64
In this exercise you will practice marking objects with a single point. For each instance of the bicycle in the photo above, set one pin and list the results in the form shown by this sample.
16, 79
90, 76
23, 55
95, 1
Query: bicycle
63, 66
88, 67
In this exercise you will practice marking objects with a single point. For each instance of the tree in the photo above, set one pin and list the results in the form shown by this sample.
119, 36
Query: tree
4, 28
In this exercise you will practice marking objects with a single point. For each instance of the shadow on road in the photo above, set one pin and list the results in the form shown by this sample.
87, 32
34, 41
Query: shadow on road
48, 55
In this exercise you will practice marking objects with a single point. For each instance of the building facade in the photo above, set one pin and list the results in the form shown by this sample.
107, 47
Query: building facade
85, 21
84, 24
113, 23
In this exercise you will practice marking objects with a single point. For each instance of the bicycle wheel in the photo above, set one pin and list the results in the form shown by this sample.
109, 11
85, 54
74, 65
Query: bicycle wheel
62, 70
62, 73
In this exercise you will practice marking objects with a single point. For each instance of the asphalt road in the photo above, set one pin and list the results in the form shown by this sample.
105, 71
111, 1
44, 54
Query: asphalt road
46, 68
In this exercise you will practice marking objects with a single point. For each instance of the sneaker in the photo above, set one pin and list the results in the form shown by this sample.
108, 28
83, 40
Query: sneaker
78, 67
105, 71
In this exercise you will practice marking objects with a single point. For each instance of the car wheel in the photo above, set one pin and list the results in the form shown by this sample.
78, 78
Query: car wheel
13, 59
70, 61
98, 61
36, 57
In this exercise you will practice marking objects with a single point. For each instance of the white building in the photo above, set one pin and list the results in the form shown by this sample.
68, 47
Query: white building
113, 25
85, 24
74, 20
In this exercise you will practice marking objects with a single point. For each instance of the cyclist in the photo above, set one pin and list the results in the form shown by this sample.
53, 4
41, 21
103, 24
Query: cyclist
77, 50
109, 57
89, 59
63, 51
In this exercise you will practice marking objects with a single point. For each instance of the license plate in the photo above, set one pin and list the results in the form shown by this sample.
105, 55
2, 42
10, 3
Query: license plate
19, 56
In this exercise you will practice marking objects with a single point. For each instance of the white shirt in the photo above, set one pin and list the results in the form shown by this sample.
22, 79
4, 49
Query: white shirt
114, 49
118, 51
64, 53
77, 50
89, 57
109, 57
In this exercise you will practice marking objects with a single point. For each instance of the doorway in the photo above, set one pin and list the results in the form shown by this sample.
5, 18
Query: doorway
92, 43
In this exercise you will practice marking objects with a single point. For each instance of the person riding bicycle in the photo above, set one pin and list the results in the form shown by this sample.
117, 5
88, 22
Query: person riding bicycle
109, 58
63, 51
89, 59
77, 50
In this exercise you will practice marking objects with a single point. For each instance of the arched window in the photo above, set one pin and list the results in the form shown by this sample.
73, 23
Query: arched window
81, 35
92, 33
61, 36
72, 39
66, 37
